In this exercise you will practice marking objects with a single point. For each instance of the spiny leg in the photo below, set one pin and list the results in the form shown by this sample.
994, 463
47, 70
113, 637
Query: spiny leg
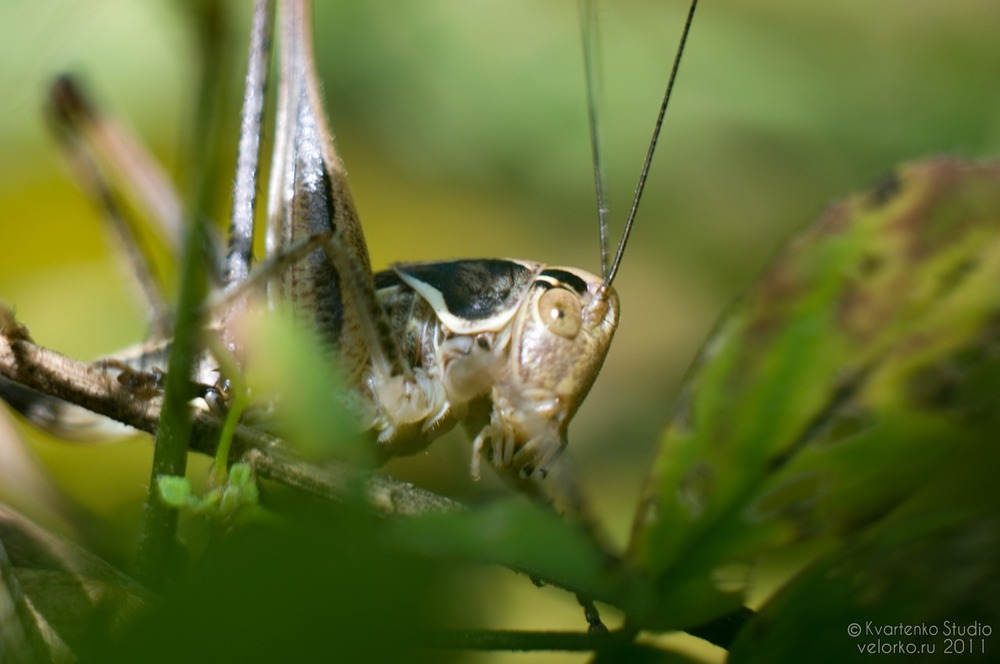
241, 231
94, 145
309, 195
125, 167
239, 258
121, 158
272, 267
310, 205
70, 113
109, 165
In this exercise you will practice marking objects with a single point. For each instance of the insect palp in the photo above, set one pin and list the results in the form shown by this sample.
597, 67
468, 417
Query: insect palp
609, 276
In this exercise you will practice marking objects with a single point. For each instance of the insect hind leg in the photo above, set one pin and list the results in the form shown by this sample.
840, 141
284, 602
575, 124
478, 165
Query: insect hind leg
309, 195
406, 396
84, 135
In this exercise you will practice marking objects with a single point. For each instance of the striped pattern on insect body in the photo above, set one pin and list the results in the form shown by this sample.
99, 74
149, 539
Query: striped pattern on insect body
507, 348
523, 339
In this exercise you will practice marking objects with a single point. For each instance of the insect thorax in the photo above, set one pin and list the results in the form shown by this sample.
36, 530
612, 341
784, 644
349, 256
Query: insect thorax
509, 348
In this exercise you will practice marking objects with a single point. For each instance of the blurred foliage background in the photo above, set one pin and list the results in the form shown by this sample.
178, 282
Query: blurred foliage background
463, 127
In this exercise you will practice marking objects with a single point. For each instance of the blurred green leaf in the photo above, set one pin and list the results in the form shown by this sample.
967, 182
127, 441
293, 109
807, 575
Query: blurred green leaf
174, 491
76, 599
239, 490
861, 365
772, 102
289, 370
323, 586
518, 535
931, 568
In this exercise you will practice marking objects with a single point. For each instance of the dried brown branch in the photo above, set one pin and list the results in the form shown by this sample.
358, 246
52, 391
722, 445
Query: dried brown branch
92, 387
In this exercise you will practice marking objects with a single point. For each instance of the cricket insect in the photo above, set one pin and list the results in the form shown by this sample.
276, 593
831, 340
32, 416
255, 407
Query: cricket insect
507, 348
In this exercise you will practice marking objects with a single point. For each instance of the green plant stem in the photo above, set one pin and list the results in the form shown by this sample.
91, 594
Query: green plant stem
238, 401
157, 559
220, 466
157, 545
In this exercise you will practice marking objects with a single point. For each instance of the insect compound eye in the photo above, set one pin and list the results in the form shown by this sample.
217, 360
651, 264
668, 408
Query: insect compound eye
560, 311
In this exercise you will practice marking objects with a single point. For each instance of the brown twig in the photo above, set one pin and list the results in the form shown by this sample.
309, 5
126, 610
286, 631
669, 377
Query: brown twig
90, 386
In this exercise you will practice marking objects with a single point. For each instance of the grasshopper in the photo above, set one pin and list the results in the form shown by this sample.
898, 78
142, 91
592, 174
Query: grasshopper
507, 348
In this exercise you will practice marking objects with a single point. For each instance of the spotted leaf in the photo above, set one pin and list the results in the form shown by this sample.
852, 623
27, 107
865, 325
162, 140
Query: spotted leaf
861, 365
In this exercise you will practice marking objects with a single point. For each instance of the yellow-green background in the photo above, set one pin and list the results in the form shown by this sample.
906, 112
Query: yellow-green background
463, 128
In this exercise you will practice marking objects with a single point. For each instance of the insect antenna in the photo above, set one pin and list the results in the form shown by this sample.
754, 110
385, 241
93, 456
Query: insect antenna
592, 73
609, 275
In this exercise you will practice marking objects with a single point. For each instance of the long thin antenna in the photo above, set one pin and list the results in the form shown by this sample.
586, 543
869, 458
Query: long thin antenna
592, 73
610, 276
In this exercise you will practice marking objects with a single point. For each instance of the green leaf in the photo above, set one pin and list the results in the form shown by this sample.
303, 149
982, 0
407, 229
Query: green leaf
175, 491
289, 370
925, 581
321, 587
239, 491
518, 535
78, 601
859, 366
